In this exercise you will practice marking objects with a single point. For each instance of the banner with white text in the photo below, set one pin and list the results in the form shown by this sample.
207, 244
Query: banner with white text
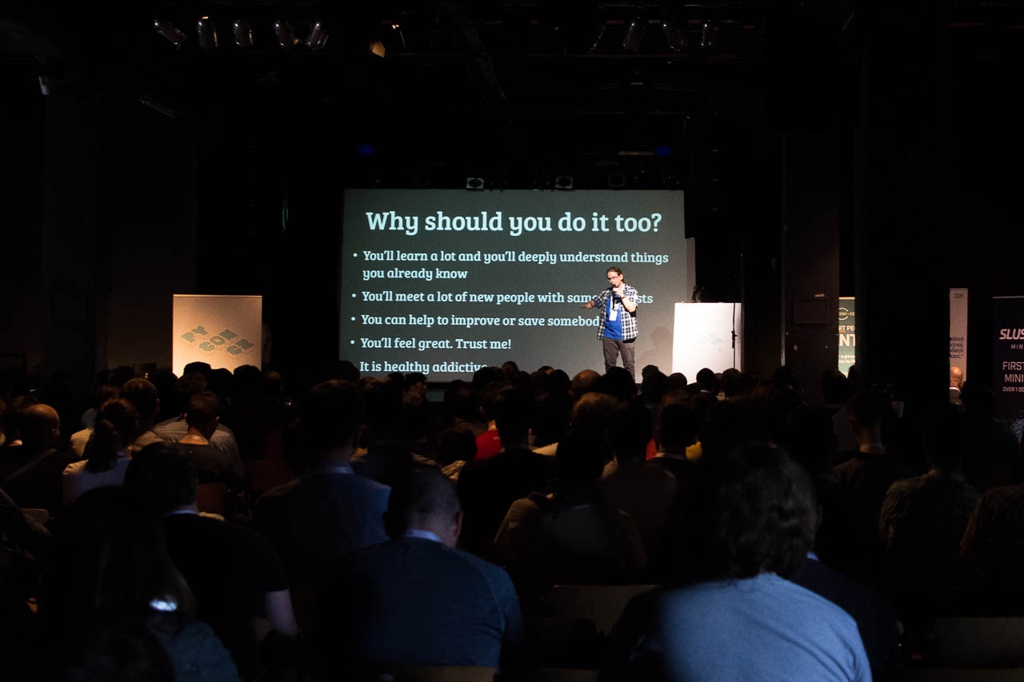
847, 333
958, 329
1008, 359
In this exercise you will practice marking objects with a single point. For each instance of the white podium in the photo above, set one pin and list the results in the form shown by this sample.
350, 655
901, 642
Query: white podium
703, 337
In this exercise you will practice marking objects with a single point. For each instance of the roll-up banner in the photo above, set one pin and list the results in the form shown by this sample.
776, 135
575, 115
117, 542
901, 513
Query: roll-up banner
1008, 359
847, 333
224, 331
958, 329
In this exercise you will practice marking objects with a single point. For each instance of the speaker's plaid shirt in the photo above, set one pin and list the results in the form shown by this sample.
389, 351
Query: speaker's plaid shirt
629, 330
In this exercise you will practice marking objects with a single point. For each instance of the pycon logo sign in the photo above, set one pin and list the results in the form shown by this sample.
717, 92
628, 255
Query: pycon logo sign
227, 340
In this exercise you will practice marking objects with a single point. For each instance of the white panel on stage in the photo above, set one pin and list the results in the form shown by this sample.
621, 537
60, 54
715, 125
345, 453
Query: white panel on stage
704, 338
224, 331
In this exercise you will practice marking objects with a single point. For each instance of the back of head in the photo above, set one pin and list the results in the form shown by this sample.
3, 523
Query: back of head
117, 427
752, 511
202, 410
15, 414
867, 409
143, 394
677, 427
383, 405
581, 455
423, 497
943, 438
109, 557
248, 379
630, 431
583, 383
593, 410
956, 376
462, 401
835, 387
707, 380
812, 438
618, 382
39, 426
733, 382
485, 375
978, 400
331, 415
165, 475
513, 412
654, 386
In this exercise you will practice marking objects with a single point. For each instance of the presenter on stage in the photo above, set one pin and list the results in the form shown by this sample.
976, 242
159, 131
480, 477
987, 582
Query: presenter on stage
617, 330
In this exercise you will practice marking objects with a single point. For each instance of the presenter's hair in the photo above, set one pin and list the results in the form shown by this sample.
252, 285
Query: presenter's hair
614, 268
752, 511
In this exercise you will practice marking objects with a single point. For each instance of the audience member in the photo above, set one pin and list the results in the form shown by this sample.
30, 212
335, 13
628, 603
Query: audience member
749, 526
416, 600
330, 511
31, 467
108, 452
239, 585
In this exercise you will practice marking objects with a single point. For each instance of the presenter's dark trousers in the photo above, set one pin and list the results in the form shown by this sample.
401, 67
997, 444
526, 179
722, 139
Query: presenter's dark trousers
615, 347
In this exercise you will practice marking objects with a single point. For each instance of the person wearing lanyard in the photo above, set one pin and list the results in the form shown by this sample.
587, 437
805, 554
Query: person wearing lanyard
617, 329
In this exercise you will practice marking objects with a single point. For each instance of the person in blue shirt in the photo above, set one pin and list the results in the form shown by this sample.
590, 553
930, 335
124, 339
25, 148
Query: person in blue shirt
617, 329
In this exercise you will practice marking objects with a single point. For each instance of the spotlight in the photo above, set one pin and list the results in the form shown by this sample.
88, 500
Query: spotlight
365, 150
317, 37
167, 30
242, 31
474, 183
634, 35
563, 182
674, 36
662, 151
207, 33
285, 35
708, 34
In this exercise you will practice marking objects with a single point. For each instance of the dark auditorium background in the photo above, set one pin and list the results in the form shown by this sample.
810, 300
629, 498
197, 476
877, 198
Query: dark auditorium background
825, 147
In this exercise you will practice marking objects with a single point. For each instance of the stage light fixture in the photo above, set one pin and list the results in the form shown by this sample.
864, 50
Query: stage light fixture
317, 37
365, 150
285, 35
167, 30
662, 151
708, 34
616, 180
563, 182
207, 34
599, 36
242, 31
474, 183
634, 36
675, 37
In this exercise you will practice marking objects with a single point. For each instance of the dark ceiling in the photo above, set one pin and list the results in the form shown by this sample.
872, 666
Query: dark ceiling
575, 83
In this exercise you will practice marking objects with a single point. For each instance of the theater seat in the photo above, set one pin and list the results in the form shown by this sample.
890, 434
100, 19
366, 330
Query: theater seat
421, 673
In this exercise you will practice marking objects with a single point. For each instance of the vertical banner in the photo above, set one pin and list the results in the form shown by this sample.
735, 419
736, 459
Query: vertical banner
1008, 359
958, 329
224, 331
707, 335
847, 333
